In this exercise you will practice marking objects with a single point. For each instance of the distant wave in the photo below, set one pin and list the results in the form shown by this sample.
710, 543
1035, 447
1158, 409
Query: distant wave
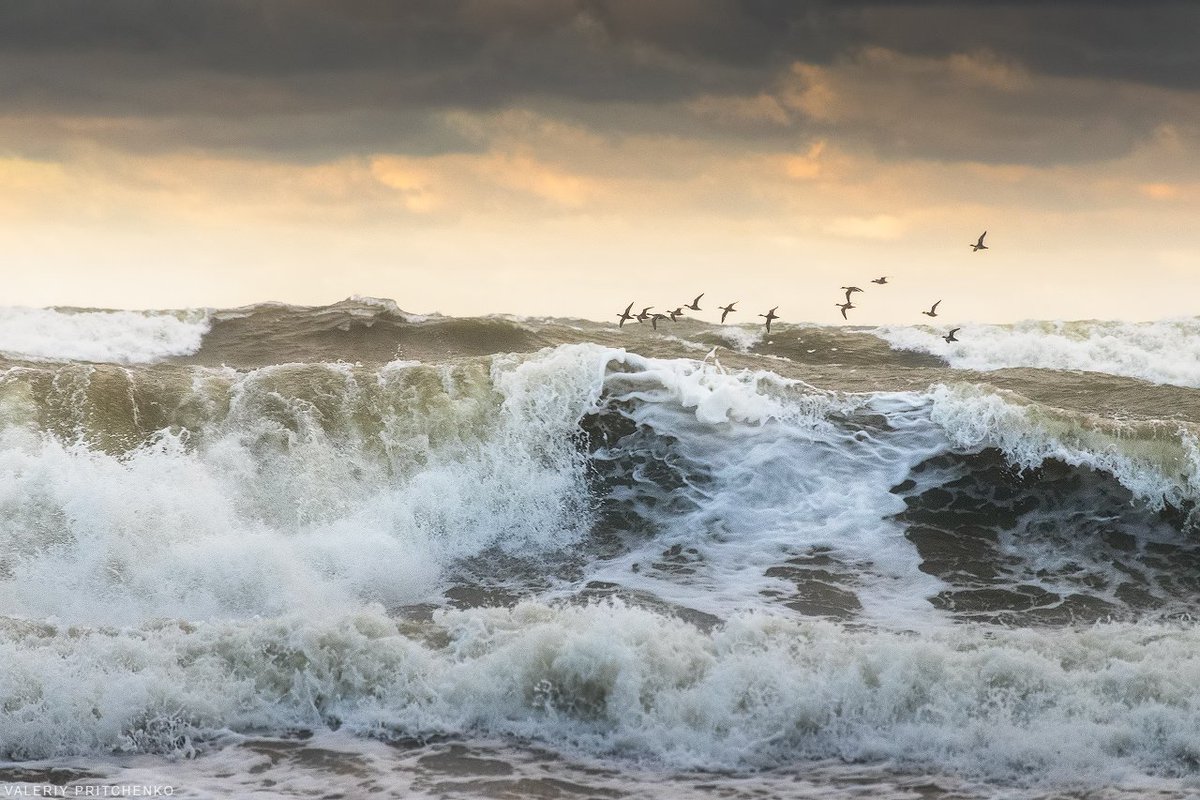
120, 337
1160, 352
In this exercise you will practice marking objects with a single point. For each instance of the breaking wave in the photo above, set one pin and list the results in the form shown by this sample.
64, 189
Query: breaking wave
1159, 352
120, 337
711, 564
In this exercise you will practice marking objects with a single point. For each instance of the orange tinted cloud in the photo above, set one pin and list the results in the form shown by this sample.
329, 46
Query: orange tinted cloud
807, 166
1161, 191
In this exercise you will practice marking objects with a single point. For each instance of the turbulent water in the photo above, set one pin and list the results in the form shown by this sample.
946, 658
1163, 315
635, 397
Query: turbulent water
301, 551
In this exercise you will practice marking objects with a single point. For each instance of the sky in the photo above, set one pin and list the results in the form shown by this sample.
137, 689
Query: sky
563, 157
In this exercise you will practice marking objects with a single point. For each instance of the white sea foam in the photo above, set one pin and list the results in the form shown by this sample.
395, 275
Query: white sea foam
767, 476
1160, 352
769, 470
1110, 705
122, 337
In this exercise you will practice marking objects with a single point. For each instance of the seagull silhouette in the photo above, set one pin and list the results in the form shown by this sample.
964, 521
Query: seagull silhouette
850, 290
695, 306
880, 280
625, 316
645, 315
654, 318
949, 337
725, 310
675, 314
846, 306
975, 248
932, 312
770, 315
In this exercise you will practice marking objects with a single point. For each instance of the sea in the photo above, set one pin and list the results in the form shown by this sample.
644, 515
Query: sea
351, 551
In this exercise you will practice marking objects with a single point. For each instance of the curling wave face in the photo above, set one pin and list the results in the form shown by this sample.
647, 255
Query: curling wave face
727, 559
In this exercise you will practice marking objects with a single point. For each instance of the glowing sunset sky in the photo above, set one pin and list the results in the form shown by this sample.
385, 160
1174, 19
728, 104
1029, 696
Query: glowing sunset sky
564, 157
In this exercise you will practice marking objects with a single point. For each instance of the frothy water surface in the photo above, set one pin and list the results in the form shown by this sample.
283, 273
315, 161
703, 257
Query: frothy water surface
507, 557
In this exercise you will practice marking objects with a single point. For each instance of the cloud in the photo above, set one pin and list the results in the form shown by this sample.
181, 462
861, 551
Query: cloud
880, 226
1161, 191
304, 80
465, 184
1151, 42
977, 107
752, 111
806, 166
23, 175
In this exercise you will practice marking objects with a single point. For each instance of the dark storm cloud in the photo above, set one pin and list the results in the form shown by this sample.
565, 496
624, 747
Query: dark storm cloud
447, 52
250, 76
1145, 42
297, 78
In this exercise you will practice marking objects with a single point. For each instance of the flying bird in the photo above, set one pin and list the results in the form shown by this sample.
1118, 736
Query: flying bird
695, 306
846, 306
675, 314
850, 290
625, 316
880, 280
654, 320
932, 312
975, 248
726, 309
770, 315
949, 337
645, 315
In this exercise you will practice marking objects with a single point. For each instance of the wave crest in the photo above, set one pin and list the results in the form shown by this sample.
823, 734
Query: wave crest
120, 337
1159, 352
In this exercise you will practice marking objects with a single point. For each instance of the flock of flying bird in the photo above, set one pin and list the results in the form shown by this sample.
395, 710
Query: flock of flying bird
674, 315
